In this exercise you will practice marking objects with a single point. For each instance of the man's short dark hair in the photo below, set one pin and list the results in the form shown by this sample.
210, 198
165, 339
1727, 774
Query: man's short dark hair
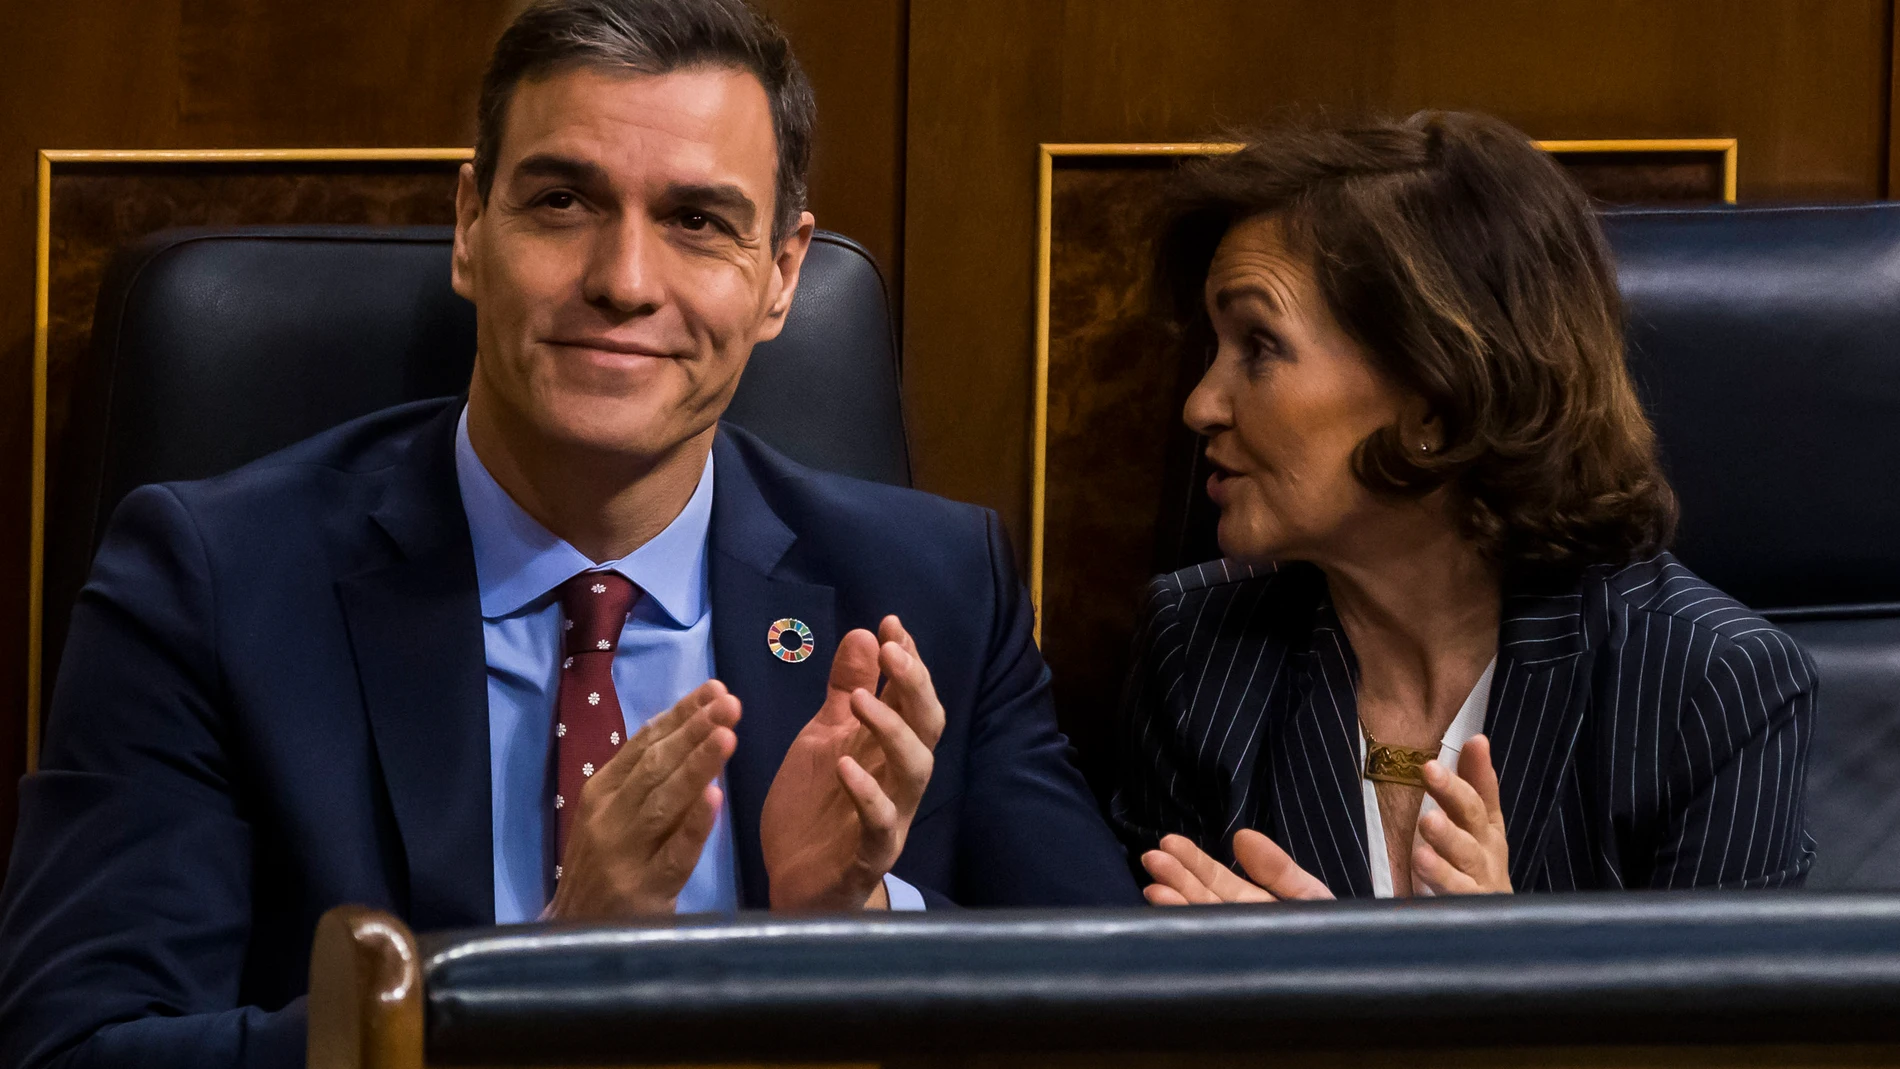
655, 37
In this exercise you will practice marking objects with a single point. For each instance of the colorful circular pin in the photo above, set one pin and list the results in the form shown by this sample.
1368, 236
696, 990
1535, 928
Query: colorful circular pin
789, 640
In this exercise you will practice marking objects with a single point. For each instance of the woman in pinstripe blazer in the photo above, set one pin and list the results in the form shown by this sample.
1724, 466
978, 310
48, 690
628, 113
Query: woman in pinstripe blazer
1446, 652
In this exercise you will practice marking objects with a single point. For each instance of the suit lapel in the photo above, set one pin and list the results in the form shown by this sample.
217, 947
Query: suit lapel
1539, 695
415, 625
749, 592
1319, 807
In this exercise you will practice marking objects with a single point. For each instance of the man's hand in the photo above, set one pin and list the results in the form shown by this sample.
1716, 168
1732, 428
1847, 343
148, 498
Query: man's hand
1463, 852
643, 819
1185, 875
842, 802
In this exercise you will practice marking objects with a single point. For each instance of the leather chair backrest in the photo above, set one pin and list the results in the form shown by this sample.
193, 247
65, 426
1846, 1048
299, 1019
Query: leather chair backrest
213, 347
1766, 342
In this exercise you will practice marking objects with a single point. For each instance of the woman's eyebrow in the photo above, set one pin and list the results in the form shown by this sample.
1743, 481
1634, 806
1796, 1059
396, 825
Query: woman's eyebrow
1241, 290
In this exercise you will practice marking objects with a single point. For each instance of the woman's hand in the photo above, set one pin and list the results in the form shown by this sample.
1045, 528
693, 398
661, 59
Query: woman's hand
1185, 875
1463, 852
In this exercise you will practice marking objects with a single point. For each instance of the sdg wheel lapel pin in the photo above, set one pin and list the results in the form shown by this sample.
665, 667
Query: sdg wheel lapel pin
789, 640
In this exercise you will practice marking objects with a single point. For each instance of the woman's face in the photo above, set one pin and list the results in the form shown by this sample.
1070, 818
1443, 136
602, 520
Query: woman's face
1286, 402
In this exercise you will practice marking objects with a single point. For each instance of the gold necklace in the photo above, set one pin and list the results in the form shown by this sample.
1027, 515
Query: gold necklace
1395, 764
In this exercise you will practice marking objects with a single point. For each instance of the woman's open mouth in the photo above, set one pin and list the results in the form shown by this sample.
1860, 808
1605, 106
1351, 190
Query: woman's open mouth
1217, 481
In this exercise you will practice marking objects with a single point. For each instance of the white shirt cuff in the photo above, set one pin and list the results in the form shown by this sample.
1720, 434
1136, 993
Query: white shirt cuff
903, 896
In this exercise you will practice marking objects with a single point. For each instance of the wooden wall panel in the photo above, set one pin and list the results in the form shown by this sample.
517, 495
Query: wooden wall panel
984, 78
856, 54
1891, 184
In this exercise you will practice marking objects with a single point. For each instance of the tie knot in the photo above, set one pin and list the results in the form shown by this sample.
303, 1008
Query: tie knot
595, 605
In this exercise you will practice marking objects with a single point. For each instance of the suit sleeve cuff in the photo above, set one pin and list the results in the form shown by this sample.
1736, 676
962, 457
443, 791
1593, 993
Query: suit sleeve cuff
903, 896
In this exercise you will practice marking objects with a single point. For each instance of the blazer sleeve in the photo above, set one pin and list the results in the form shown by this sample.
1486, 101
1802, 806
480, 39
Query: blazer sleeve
1032, 833
1739, 780
127, 906
1151, 798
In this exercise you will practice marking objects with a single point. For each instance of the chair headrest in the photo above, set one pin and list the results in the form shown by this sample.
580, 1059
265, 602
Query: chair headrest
1766, 342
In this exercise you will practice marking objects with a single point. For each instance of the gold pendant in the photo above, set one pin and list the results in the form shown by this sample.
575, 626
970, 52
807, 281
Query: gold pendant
1396, 764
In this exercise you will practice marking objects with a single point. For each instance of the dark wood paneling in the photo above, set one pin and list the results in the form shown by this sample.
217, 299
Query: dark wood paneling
984, 80
338, 72
855, 54
1632, 178
1115, 395
1892, 179
1804, 85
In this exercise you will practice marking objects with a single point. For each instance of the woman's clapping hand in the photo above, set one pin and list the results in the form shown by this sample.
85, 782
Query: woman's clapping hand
1460, 850
1185, 875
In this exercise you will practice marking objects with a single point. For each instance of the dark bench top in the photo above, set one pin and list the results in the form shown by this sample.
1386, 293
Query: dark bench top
1638, 968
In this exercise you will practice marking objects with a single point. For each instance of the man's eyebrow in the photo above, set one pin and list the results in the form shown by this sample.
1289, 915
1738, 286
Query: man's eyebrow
566, 168
721, 195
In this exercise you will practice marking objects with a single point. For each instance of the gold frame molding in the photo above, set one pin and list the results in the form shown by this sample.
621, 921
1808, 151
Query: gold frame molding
1048, 152
42, 285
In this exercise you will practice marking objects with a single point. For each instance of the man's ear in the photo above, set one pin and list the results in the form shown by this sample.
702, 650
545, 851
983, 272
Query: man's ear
785, 269
468, 211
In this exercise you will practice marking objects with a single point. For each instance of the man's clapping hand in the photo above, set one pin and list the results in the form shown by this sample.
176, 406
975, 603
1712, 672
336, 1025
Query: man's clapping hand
643, 819
841, 805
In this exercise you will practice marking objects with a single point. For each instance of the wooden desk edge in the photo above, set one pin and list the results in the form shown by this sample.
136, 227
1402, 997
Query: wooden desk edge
366, 1012
365, 992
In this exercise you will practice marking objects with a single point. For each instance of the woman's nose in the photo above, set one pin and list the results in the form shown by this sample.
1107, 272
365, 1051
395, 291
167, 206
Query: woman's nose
1207, 411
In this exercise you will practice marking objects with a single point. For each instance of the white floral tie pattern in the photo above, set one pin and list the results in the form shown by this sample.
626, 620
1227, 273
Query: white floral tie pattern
587, 715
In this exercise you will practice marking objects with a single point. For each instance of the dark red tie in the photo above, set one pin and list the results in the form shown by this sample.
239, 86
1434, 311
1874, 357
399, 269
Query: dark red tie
588, 727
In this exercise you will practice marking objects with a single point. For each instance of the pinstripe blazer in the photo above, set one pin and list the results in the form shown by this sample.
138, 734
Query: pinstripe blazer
1648, 731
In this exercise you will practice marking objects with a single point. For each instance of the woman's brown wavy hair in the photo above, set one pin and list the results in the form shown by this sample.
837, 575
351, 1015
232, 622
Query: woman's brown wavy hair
1473, 271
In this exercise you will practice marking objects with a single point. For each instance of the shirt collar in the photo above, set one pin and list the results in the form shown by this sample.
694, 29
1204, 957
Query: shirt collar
518, 561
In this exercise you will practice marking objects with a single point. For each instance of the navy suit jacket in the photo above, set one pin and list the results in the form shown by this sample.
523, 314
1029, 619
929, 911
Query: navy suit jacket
273, 701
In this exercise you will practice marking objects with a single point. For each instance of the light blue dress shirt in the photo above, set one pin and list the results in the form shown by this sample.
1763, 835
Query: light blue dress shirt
665, 651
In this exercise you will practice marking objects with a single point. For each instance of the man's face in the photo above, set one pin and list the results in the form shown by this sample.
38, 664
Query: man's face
622, 267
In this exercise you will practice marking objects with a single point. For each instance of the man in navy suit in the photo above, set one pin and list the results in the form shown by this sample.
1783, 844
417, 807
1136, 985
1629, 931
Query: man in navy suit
568, 649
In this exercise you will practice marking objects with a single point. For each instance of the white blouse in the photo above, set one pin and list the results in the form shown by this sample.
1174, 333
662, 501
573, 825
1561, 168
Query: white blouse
1468, 722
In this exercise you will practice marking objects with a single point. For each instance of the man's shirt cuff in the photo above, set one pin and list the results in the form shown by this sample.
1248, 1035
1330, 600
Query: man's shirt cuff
903, 896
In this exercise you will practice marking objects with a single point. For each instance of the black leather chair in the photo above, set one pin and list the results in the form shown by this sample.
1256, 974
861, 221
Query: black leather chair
1766, 342
213, 347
